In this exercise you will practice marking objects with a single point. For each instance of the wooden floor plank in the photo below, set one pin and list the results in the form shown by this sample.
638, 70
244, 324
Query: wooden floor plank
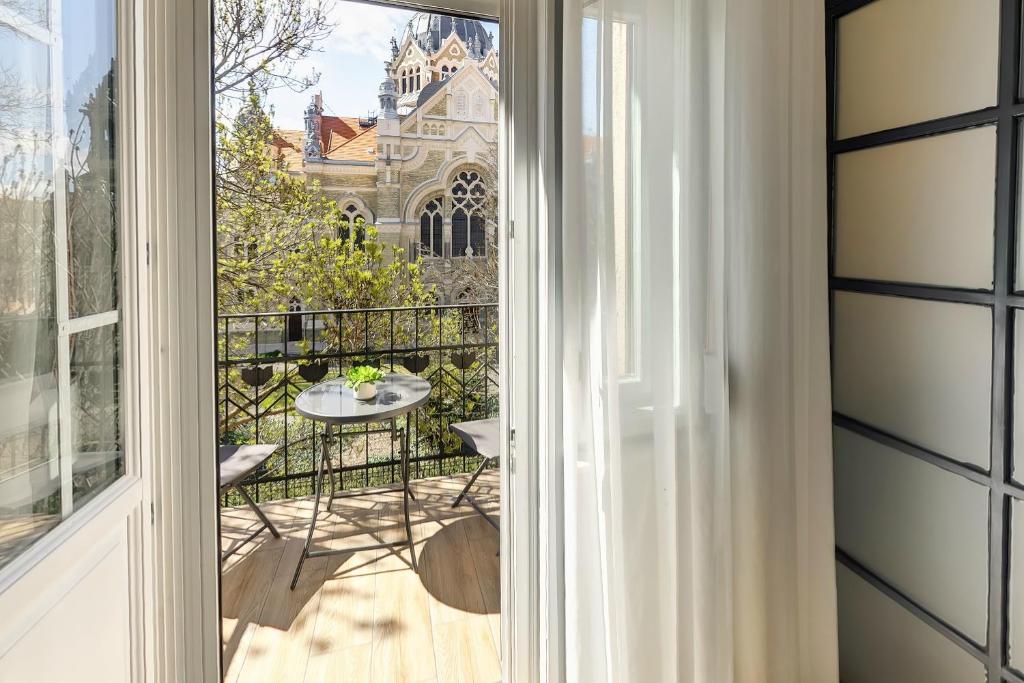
366, 616
465, 652
347, 665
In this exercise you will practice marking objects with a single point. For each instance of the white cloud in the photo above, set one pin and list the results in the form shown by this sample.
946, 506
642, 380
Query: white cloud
362, 29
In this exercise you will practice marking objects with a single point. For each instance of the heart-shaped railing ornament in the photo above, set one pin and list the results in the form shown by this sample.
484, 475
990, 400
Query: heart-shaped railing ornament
463, 359
416, 363
313, 372
256, 375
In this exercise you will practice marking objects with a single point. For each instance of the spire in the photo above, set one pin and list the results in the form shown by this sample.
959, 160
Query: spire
394, 48
388, 95
312, 149
434, 33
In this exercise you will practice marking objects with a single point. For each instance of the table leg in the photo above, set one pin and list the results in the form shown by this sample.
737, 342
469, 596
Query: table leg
407, 492
318, 488
330, 465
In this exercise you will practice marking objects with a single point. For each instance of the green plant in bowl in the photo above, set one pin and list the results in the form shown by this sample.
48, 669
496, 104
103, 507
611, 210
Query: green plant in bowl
362, 380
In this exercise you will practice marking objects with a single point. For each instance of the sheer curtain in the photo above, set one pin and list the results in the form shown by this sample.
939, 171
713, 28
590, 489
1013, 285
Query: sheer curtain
698, 542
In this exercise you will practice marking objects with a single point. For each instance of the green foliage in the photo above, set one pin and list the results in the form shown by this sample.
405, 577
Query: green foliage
280, 241
363, 374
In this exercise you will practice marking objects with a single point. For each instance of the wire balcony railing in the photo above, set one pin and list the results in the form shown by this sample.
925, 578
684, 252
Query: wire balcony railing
266, 359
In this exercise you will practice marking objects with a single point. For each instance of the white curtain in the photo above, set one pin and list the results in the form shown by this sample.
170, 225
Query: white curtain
697, 539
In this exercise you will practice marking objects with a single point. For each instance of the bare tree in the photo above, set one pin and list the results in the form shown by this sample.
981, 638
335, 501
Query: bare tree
21, 105
260, 42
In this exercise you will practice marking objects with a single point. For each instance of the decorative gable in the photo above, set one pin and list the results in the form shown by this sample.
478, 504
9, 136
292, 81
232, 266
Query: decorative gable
489, 65
451, 53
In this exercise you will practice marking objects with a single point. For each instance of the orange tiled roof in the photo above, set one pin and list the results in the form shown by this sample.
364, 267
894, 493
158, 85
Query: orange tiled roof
288, 144
335, 130
342, 139
362, 147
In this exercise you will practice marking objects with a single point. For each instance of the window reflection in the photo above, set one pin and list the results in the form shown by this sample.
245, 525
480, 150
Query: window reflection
90, 47
45, 282
95, 412
30, 501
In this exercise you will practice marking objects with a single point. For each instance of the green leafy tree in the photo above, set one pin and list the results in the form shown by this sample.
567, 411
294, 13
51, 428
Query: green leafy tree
282, 241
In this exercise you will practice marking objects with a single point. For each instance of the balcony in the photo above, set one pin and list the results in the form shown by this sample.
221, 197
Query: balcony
363, 615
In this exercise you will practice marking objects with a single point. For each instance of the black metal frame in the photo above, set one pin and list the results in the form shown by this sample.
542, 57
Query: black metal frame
461, 364
1003, 301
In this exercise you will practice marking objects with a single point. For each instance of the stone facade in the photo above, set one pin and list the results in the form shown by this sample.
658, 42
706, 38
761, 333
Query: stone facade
420, 170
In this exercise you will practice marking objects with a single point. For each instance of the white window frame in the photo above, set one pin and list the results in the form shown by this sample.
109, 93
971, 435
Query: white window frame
41, 567
175, 147
73, 520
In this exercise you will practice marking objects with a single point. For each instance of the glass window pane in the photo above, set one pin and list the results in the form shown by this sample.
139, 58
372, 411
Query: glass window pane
30, 500
90, 52
31, 13
920, 370
1018, 396
901, 62
96, 433
881, 642
1019, 275
904, 214
1015, 641
922, 529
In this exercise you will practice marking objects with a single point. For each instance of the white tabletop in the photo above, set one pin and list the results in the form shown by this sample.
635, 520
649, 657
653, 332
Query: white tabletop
335, 403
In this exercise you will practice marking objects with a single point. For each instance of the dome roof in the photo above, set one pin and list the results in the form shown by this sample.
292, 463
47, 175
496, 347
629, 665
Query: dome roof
430, 30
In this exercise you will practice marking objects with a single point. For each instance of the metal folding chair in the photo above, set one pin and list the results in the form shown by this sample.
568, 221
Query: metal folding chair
237, 463
481, 437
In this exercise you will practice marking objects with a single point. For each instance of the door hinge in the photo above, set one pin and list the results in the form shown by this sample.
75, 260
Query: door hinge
152, 513
511, 229
147, 253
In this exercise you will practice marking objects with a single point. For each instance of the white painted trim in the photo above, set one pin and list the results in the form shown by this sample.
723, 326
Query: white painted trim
19, 571
530, 96
89, 322
52, 592
176, 317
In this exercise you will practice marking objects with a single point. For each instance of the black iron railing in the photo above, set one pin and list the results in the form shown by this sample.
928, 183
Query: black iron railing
266, 359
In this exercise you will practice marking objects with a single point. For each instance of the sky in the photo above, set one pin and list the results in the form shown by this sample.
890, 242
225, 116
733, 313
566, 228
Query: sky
350, 62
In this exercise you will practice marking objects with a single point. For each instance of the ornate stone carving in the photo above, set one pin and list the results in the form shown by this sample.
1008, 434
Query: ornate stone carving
312, 148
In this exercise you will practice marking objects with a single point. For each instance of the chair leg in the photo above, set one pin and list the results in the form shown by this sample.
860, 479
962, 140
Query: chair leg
469, 485
256, 508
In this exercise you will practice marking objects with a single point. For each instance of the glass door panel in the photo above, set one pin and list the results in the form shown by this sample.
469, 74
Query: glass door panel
60, 358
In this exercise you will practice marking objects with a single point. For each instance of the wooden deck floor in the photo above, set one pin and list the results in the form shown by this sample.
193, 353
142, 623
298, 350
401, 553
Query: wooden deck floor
366, 616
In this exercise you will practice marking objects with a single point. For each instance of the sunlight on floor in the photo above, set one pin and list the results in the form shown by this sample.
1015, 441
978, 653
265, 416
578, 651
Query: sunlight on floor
366, 616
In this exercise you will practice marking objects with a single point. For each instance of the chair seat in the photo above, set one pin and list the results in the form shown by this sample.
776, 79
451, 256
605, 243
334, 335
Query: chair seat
480, 436
238, 462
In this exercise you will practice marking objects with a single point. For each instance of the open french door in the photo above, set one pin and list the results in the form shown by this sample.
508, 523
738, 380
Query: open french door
71, 493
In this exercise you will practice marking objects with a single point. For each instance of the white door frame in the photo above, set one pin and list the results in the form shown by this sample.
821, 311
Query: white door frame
46, 574
175, 141
175, 197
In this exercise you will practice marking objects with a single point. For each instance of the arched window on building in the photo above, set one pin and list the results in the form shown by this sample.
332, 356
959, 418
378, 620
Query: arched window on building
432, 228
418, 86
460, 232
404, 82
444, 72
477, 235
468, 223
352, 220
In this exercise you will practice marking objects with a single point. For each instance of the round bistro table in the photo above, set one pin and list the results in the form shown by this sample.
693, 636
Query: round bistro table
335, 405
